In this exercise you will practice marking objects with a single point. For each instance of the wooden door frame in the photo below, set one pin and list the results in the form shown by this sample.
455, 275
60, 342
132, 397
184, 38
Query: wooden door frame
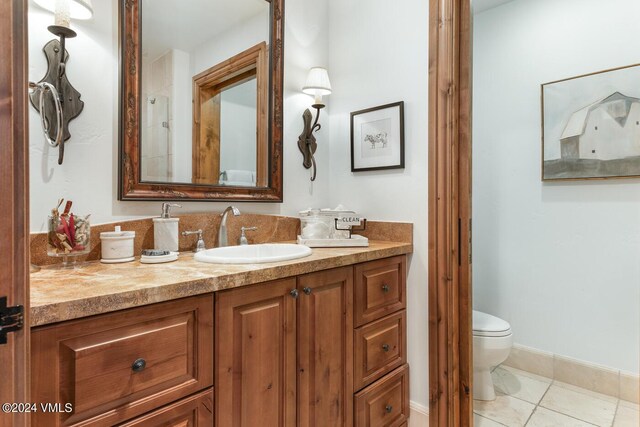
450, 307
14, 204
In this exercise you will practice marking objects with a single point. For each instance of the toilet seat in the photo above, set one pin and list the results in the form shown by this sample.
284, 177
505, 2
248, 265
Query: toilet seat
486, 325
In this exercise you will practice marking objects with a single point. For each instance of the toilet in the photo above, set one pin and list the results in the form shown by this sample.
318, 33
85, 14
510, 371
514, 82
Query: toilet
492, 340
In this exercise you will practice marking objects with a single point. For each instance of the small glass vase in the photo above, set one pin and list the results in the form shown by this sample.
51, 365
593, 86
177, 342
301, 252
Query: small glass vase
69, 236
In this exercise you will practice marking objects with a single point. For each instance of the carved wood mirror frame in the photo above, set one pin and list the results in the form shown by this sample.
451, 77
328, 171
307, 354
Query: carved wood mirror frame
130, 185
450, 305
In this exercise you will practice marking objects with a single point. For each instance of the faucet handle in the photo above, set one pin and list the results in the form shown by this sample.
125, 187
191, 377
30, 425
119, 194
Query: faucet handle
243, 237
199, 243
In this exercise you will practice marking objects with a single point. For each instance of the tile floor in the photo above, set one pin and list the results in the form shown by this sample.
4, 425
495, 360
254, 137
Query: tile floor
525, 399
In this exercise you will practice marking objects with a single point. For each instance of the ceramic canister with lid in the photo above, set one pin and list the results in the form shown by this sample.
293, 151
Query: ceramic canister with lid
117, 246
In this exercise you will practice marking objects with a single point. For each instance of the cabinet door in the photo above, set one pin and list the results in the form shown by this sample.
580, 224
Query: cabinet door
256, 356
325, 348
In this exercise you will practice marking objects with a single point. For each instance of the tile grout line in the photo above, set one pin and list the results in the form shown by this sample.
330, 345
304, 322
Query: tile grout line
571, 416
615, 413
554, 382
538, 404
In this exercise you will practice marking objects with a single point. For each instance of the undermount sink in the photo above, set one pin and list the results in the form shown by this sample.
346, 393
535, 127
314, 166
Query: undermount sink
253, 254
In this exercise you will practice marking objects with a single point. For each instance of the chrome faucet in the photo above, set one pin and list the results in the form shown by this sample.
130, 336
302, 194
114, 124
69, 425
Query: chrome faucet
222, 232
200, 243
243, 237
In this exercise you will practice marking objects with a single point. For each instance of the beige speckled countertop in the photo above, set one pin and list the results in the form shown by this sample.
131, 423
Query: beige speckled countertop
58, 294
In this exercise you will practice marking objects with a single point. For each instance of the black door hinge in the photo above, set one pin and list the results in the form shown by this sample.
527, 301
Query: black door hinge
11, 319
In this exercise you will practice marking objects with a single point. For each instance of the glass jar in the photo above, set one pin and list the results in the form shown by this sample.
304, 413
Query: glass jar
68, 236
315, 226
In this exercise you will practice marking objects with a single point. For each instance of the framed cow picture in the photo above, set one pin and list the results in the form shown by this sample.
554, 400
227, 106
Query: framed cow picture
591, 126
377, 138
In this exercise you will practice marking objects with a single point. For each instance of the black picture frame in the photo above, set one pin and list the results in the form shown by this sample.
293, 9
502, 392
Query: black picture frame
388, 142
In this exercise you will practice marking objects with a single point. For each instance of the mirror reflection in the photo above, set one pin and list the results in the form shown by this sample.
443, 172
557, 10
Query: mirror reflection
204, 85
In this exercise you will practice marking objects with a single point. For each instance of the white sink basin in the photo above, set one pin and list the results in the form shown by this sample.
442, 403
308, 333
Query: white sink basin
253, 254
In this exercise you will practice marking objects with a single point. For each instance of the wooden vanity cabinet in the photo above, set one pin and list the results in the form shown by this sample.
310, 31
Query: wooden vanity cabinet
284, 352
321, 349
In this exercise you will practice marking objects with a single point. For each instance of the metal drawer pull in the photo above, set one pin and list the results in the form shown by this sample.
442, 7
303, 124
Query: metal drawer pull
388, 408
294, 293
307, 291
386, 347
385, 288
139, 365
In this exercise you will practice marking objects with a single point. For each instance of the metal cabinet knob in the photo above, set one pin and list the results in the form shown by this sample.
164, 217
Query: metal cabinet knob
386, 347
307, 290
385, 288
139, 365
294, 293
388, 408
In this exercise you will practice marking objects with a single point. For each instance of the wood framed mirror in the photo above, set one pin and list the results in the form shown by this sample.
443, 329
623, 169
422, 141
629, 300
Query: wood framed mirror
201, 100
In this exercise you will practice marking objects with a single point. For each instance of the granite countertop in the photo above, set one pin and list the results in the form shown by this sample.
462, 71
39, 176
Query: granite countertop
58, 295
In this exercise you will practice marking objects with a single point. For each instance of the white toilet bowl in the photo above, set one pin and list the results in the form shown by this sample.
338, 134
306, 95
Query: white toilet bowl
492, 341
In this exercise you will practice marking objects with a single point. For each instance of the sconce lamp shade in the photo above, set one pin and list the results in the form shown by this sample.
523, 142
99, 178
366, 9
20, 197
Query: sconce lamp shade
78, 9
317, 82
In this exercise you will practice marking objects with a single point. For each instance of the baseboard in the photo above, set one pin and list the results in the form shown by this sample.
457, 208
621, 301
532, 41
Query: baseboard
419, 416
601, 379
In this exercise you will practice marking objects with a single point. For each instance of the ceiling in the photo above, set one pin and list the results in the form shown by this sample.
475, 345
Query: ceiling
185, 25
482, 5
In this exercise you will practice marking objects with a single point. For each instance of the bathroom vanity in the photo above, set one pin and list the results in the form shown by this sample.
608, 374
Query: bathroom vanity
314, 341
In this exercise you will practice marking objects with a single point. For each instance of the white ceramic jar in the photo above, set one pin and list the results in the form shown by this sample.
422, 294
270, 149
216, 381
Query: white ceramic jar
117, 246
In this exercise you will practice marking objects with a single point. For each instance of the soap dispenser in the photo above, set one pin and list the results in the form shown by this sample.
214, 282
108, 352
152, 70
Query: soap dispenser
165, 229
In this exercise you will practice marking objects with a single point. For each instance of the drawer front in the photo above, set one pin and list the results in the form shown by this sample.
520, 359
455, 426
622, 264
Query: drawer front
380, 347
194, 411
385, 403
117, 366
380, 288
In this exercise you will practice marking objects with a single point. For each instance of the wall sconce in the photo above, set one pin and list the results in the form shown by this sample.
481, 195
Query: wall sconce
66, 104
317, 84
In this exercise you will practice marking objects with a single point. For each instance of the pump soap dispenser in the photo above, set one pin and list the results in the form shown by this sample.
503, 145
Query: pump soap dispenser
165, 229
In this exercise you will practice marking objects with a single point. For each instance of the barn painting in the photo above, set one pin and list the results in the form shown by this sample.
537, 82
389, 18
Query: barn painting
591, 126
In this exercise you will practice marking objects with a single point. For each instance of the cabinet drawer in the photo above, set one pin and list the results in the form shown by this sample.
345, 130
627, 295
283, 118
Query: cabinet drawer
194, 411
379, 288
380, 347
385, 403
116, 366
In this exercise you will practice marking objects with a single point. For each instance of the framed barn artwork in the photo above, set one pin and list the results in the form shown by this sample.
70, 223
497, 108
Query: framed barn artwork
377, 138
591, 126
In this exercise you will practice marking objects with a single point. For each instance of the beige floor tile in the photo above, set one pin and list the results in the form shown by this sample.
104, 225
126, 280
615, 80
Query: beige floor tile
591, 393
627, 416
506, 410
517, 383
479, 421
579, 405
543, 417
629, 405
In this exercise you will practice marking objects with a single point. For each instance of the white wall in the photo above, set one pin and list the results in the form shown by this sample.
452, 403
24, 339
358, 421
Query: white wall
229, 43
378, 55
559, 261
89, 173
